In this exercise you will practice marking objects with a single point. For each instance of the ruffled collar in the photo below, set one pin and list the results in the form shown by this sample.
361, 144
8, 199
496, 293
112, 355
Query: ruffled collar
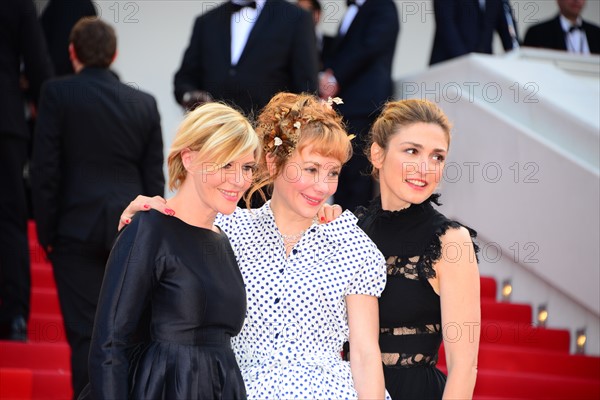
414, 209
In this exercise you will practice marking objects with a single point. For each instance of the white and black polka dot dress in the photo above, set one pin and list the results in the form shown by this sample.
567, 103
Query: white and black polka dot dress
296, 322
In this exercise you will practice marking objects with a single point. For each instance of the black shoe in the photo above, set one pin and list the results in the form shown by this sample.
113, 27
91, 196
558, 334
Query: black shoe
18, 329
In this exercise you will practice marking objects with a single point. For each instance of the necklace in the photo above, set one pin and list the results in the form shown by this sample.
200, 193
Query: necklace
289, 239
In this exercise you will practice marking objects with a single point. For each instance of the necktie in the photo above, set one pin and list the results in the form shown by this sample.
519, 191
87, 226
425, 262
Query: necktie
235, 7
351, 2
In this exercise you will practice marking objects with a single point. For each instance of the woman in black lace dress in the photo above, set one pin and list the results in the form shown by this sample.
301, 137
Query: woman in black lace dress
432, 291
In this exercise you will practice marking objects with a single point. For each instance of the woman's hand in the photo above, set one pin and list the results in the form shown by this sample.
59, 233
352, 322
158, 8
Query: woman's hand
144, 203
329, 212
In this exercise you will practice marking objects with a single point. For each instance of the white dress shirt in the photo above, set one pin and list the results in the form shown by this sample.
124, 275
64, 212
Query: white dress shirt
349, 16
576, 40
242, 23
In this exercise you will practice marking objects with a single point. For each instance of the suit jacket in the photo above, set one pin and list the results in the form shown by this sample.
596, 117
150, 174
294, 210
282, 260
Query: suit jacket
361, 60
280, 55
57, 20
21, 39
462, 28
549, 34
98, 144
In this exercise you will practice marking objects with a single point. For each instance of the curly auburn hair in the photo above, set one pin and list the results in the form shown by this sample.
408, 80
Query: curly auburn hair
291, 122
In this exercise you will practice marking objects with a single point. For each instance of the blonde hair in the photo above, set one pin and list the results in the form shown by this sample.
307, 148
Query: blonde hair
400, 114
298, 121
217, 132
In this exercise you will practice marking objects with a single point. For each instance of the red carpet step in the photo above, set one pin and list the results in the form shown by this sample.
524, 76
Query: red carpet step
51, 356
495, 311
488, 288
15, 383
535, 386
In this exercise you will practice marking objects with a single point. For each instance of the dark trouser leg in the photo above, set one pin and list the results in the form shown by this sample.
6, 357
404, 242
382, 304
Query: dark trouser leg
15, 278
78, 270
355, 186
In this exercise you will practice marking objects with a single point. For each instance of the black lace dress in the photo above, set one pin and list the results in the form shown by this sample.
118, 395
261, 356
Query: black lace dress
409, 308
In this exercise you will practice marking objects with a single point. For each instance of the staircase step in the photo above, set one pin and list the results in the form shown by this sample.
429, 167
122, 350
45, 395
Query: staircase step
47, 328
496, 311
488, 288
44, 301
535, 386
518, 360
42, 276
32, 355
524, 335
55, 385
15, 383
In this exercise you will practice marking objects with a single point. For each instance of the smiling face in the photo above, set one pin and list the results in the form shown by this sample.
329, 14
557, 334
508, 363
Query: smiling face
220, 189
304, 184
411, 167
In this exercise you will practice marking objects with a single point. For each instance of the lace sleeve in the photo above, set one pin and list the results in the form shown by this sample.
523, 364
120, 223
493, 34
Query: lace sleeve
433, 252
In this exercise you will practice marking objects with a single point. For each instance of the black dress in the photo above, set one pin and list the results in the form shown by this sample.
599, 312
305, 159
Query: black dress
409, 308
171, 299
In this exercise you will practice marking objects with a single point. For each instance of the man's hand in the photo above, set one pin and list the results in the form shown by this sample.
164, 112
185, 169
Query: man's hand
328, 85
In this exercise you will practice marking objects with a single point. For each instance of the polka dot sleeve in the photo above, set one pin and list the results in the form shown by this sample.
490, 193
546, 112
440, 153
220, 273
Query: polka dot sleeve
370, 277
361, 255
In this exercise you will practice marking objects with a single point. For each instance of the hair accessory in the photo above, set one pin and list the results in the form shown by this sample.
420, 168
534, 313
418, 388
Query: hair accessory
335, 100
285, 127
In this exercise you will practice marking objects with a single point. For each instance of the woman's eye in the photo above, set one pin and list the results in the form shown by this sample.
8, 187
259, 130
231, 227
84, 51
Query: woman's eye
439, 157
334, 174
311, 170
249, 168
411, 151
227, 166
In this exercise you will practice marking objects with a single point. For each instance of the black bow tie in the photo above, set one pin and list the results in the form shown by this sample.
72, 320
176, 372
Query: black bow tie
350, 2
235, 7
575, 28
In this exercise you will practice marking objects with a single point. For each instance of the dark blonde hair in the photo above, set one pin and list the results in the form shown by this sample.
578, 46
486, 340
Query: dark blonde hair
291, 122
217, 132
400, 114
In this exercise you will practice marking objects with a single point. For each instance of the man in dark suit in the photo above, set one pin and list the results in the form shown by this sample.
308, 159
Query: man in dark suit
245, 52
98, 144
468, 26
21, 42
567, 31
358, 68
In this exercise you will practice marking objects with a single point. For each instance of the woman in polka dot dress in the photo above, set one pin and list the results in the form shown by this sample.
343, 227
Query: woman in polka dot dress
310, 287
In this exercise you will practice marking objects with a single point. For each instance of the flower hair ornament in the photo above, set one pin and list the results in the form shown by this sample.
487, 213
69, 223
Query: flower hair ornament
284, 128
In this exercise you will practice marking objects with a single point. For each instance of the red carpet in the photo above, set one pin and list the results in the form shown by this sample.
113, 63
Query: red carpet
520, 361
516, 360
39, 369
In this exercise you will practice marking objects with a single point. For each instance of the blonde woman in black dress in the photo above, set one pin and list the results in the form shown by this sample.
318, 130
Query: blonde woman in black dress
173, 295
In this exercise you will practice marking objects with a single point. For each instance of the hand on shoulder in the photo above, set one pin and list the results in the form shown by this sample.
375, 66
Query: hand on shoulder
144, 203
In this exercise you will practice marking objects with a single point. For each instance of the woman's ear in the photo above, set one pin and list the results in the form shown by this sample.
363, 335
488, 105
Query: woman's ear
188, 158
377, 156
